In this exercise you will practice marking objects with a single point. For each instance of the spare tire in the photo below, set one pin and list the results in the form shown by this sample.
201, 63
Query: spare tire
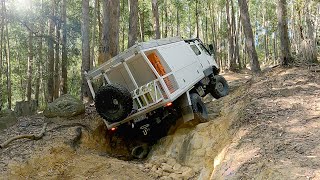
113, 102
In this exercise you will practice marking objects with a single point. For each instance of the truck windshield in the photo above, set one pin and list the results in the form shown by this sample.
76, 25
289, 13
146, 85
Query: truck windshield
204, 49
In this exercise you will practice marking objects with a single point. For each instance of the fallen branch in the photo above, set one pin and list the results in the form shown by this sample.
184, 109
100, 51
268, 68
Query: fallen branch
70, 125
25, 136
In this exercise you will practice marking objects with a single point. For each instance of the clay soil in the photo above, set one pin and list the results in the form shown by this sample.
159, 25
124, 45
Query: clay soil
274, 136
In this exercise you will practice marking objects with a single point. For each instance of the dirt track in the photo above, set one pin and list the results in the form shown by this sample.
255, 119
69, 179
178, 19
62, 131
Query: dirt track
276, 136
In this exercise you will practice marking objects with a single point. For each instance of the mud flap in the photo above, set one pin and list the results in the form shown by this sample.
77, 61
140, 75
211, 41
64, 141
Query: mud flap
186, 108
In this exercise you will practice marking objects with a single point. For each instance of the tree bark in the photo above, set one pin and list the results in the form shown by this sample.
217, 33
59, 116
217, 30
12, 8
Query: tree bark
245, 20
230, 21
57, 60
85, 91
1, 49
141, 22
285, 58
30, 64
197, 19
50, 83
64, 60
94, 32
110, 30
133, 23
155, 13
8, 59
39, 62
166, 18
178, 22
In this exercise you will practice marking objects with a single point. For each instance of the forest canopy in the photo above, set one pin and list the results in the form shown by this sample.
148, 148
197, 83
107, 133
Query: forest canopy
47, 45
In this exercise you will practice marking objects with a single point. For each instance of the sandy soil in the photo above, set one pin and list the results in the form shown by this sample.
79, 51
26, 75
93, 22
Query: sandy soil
278, 138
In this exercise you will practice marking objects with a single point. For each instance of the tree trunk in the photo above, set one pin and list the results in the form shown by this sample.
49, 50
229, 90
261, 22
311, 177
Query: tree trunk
1, 49
236, 40
39, 62
123, 27
133, 23
50, 83
230, 21
8, 59
245, 20
57, 60
275, 48
30, 64
178, 22
166, 18
94, 30
110, 30
197, 19
308, 46
64, 60
85, 91
189, 20
285, 58
266, 44
155, 13
141, 21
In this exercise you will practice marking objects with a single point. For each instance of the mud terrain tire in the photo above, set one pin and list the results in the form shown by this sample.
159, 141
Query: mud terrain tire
199, 108
113, 102
219, 87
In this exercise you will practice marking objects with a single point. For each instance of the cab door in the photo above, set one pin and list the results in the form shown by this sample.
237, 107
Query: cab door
203, 55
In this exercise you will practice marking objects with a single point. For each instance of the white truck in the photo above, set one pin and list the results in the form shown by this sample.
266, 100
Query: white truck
156, 81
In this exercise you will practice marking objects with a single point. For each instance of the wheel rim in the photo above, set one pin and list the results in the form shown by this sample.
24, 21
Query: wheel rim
219, 87
114, 106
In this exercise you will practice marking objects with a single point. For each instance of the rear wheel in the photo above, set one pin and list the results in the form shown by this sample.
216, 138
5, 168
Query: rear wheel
199, 108
219, 87
113, 102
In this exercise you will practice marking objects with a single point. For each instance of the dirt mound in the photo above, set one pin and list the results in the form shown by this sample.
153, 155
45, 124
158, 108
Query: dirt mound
279, 136
63, 162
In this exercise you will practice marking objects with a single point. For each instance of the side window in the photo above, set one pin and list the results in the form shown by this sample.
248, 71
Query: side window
195, 49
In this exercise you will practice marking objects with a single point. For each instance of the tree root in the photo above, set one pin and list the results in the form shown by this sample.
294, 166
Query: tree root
25, 136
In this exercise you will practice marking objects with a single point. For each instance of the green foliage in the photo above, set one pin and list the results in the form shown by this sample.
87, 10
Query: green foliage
180, 14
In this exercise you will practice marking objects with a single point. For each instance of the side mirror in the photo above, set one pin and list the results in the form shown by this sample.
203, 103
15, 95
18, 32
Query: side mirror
211, 48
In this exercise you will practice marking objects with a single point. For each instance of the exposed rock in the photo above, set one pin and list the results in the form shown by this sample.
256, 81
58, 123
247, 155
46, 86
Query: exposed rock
7, 119
166, 168
188, 173
175, 176
176, 167
159, 172
64, 106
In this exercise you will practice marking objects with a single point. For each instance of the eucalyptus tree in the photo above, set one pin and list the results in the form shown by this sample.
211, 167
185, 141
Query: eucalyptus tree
246, 23
85, 91
155, 12
133, 23
285, 58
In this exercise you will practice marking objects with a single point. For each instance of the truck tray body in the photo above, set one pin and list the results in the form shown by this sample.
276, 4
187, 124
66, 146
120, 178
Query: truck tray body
155, 72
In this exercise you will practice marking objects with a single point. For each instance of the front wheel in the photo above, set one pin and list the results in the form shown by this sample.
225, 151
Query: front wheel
219, 87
